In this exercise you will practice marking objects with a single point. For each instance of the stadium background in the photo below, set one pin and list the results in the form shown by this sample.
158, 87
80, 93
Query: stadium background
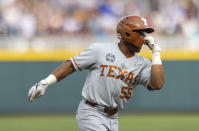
36, 36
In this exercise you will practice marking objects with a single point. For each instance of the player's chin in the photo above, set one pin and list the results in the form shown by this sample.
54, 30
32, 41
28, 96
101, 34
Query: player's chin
138, 49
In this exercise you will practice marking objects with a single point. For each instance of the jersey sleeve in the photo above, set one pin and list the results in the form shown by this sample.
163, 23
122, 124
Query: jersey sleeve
145, 74
86, 59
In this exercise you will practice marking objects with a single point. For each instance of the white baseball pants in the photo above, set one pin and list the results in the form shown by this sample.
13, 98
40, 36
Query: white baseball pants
94, 119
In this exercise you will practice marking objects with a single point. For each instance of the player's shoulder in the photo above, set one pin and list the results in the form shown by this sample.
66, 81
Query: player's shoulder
142, 60
101, 45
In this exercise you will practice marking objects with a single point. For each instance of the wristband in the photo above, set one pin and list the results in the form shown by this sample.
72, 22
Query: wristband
51, 79
156, 60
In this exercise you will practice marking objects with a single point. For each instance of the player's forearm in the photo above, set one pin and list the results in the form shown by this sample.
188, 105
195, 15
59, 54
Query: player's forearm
157, 77
64, 70
61, 72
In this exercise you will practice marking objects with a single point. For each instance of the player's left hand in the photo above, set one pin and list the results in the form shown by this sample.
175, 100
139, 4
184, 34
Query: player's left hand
37, 90
151, 43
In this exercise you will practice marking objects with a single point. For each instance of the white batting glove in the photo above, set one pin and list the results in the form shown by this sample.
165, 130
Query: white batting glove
37, 90
151, 43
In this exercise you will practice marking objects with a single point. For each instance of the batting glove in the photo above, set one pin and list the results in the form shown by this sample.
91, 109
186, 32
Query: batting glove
151, 43
37, 90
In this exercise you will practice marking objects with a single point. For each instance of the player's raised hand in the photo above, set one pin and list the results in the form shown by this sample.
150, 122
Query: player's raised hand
151, 43
37, 90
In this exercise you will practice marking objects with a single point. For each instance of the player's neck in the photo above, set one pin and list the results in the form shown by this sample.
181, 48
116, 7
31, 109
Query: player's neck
125, 50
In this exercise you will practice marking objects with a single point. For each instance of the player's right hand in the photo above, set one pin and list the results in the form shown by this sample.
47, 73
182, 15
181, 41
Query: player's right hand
37, 90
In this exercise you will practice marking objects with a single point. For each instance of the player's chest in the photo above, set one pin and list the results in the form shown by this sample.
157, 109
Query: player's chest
115, 67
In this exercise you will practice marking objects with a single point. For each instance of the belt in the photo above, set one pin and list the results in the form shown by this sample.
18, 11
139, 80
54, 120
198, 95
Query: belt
108, 111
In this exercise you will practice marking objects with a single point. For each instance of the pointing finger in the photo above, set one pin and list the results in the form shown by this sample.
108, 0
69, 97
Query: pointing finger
29, 97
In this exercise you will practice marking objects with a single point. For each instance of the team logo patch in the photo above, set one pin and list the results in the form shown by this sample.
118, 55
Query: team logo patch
110, 57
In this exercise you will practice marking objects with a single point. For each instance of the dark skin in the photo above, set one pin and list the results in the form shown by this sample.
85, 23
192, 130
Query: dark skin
64, 70
157, 73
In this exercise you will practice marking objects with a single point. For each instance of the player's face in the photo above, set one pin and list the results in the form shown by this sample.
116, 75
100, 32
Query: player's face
142, 34
132, 48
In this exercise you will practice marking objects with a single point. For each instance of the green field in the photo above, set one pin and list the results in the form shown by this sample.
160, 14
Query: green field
127, 122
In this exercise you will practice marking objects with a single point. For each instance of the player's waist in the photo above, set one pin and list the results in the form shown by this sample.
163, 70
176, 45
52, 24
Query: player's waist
109, 111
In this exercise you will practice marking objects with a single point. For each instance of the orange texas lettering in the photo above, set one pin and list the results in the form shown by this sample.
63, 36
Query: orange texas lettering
122, 73
110, 73
102, 71
111, 70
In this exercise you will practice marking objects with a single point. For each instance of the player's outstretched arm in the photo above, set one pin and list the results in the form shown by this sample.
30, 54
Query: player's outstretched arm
157, 72
61, 72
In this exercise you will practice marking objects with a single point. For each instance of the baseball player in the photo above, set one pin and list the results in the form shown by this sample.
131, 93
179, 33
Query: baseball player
114, 70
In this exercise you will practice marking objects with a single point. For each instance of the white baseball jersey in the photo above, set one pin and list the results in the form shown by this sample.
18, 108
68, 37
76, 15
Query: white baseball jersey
112, 76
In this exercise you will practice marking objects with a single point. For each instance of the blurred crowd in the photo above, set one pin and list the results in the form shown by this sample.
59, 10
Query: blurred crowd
29, 18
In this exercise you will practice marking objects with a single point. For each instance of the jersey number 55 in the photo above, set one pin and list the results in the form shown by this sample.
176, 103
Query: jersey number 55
126, 92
